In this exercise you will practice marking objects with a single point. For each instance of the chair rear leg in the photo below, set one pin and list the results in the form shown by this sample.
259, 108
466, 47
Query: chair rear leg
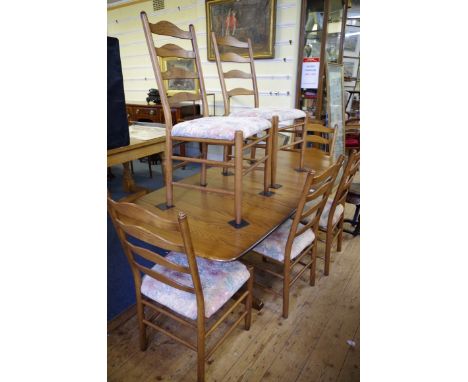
328, 245
248, 300
286, 286
274, 151
141, 325
200, 349
238, 170
267, 165
340, 234
313, 266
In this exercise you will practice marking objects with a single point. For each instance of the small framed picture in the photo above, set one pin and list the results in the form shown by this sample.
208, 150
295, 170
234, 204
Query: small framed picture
178, 85
352, 41
350, 67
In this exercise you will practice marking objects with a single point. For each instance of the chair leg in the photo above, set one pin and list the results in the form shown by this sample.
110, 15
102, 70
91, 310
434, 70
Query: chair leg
267, 165
248, 300
167, 164
226, 152
201, 348
328, 245
141, 325
286, 286
303, 147
274, 151
238, 169
131, 168
203, 166
183, 153
313, 265
253, 149
149, 167
340, 234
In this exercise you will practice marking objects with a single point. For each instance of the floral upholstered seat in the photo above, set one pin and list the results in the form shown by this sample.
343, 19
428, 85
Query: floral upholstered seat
326, 211
275, 244
220, 280
284, 114
220, 127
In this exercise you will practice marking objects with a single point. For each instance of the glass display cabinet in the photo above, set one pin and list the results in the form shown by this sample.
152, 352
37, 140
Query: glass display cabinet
323, 24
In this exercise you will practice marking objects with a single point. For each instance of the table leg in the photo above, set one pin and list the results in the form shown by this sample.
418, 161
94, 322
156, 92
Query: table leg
128, 182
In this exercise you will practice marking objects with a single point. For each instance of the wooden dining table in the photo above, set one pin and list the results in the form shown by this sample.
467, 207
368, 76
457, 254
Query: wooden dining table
138, 148
209, 213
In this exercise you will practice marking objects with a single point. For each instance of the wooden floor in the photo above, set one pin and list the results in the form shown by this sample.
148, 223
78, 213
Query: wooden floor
314, 344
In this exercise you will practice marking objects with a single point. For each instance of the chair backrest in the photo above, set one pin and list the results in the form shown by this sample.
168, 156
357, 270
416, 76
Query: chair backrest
323, 138
131, 220
165, 28
231, 42
316, 190
345, 182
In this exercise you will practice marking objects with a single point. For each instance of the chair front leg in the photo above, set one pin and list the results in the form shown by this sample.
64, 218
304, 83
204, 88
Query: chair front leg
267, 164
204, 155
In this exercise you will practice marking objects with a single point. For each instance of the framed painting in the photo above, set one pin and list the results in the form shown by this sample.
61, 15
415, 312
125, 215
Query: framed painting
335, 108
179, 84
350, 66
254, 19
351, 44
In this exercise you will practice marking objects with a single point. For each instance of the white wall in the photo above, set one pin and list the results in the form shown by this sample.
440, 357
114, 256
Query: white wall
276, 76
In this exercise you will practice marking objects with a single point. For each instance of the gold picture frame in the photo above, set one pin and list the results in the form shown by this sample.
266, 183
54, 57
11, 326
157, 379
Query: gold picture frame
179, 85
255, 19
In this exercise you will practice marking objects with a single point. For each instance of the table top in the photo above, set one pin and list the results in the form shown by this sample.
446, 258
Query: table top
137, 148
209, 213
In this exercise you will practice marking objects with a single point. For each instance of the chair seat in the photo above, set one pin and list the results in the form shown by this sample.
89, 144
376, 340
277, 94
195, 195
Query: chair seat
284, 114
275, 244
220, 280
223, 128
339, 210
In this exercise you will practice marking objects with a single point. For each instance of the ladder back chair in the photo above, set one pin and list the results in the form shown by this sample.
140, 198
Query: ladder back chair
322, 138
180, 286
239, 133
288, 245
289, 120
332, 219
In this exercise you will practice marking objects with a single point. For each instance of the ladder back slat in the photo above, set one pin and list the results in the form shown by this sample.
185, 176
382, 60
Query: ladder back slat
136, 212
231, 41
240, 91
166, 28
157, 258
233, 57
184, 96
237, 74
150, 237
178, 73
317, 139
173, 50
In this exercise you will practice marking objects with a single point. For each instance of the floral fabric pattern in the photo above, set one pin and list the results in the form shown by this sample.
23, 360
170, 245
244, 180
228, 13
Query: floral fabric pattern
220, 127
284, 114
220, 280
275, 244
326, 211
